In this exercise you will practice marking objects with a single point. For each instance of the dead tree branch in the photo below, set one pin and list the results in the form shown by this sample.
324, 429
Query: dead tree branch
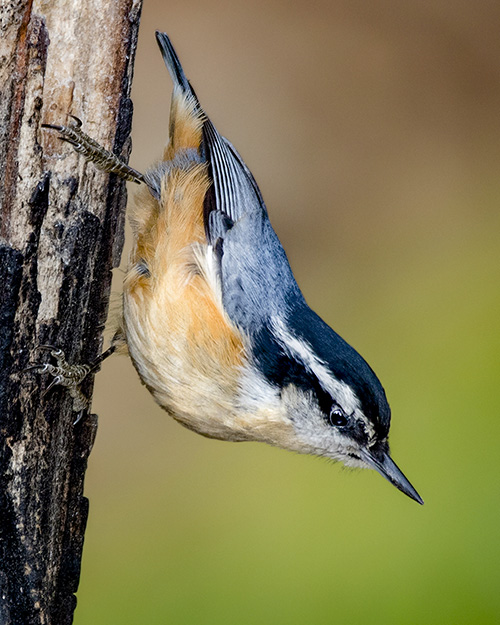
61, 232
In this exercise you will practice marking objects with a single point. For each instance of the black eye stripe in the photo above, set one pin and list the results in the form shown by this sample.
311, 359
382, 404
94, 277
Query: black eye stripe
281, 369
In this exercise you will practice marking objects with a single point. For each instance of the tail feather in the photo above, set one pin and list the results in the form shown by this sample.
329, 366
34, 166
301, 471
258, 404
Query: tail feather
186, 115
174, 66
233, 190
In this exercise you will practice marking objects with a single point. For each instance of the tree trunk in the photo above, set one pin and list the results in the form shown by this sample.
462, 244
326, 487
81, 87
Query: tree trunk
61, 232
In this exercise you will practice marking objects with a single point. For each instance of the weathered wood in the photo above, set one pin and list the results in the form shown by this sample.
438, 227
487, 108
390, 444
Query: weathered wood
61, 232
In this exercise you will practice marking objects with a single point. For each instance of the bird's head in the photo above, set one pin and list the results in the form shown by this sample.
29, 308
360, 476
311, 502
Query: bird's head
333, 402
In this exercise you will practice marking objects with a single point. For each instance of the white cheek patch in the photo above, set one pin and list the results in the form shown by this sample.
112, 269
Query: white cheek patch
255, 392
314, 435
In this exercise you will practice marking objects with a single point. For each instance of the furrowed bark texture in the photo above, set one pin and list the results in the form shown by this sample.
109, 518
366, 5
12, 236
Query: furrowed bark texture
61, 232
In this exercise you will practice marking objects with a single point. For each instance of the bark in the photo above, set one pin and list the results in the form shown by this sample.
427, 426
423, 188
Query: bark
61, 232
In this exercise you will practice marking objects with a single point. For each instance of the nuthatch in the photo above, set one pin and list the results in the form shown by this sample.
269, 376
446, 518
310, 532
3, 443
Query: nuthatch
213, 319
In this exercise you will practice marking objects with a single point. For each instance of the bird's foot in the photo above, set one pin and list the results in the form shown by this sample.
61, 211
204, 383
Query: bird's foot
93, 151
64, 374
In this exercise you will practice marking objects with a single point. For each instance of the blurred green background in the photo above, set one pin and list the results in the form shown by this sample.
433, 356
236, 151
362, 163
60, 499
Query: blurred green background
373, 131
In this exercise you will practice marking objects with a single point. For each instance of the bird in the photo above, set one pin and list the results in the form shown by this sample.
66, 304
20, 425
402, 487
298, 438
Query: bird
213, 319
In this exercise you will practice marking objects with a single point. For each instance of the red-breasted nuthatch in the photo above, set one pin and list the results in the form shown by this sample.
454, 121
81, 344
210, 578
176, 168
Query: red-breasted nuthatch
213, 319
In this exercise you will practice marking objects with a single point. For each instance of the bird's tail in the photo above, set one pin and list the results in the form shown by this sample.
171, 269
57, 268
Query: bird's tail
186, 114
233, 189
174, 65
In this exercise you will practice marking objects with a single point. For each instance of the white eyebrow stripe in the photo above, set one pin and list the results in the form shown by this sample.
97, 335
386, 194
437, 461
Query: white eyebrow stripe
301, 350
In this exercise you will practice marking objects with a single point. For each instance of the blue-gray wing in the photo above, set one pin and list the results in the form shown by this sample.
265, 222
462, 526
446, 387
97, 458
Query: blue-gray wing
256, 278
233, 191
257, 281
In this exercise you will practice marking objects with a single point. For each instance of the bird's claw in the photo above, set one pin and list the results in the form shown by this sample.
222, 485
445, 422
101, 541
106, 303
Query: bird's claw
64, 374
93, 152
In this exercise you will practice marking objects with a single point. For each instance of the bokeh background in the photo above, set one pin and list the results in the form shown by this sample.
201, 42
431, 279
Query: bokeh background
373, 131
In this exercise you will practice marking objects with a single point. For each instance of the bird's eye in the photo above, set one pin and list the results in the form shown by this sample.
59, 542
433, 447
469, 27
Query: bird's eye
337, 417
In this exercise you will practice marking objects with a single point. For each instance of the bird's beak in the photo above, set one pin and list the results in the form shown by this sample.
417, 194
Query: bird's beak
380, 460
